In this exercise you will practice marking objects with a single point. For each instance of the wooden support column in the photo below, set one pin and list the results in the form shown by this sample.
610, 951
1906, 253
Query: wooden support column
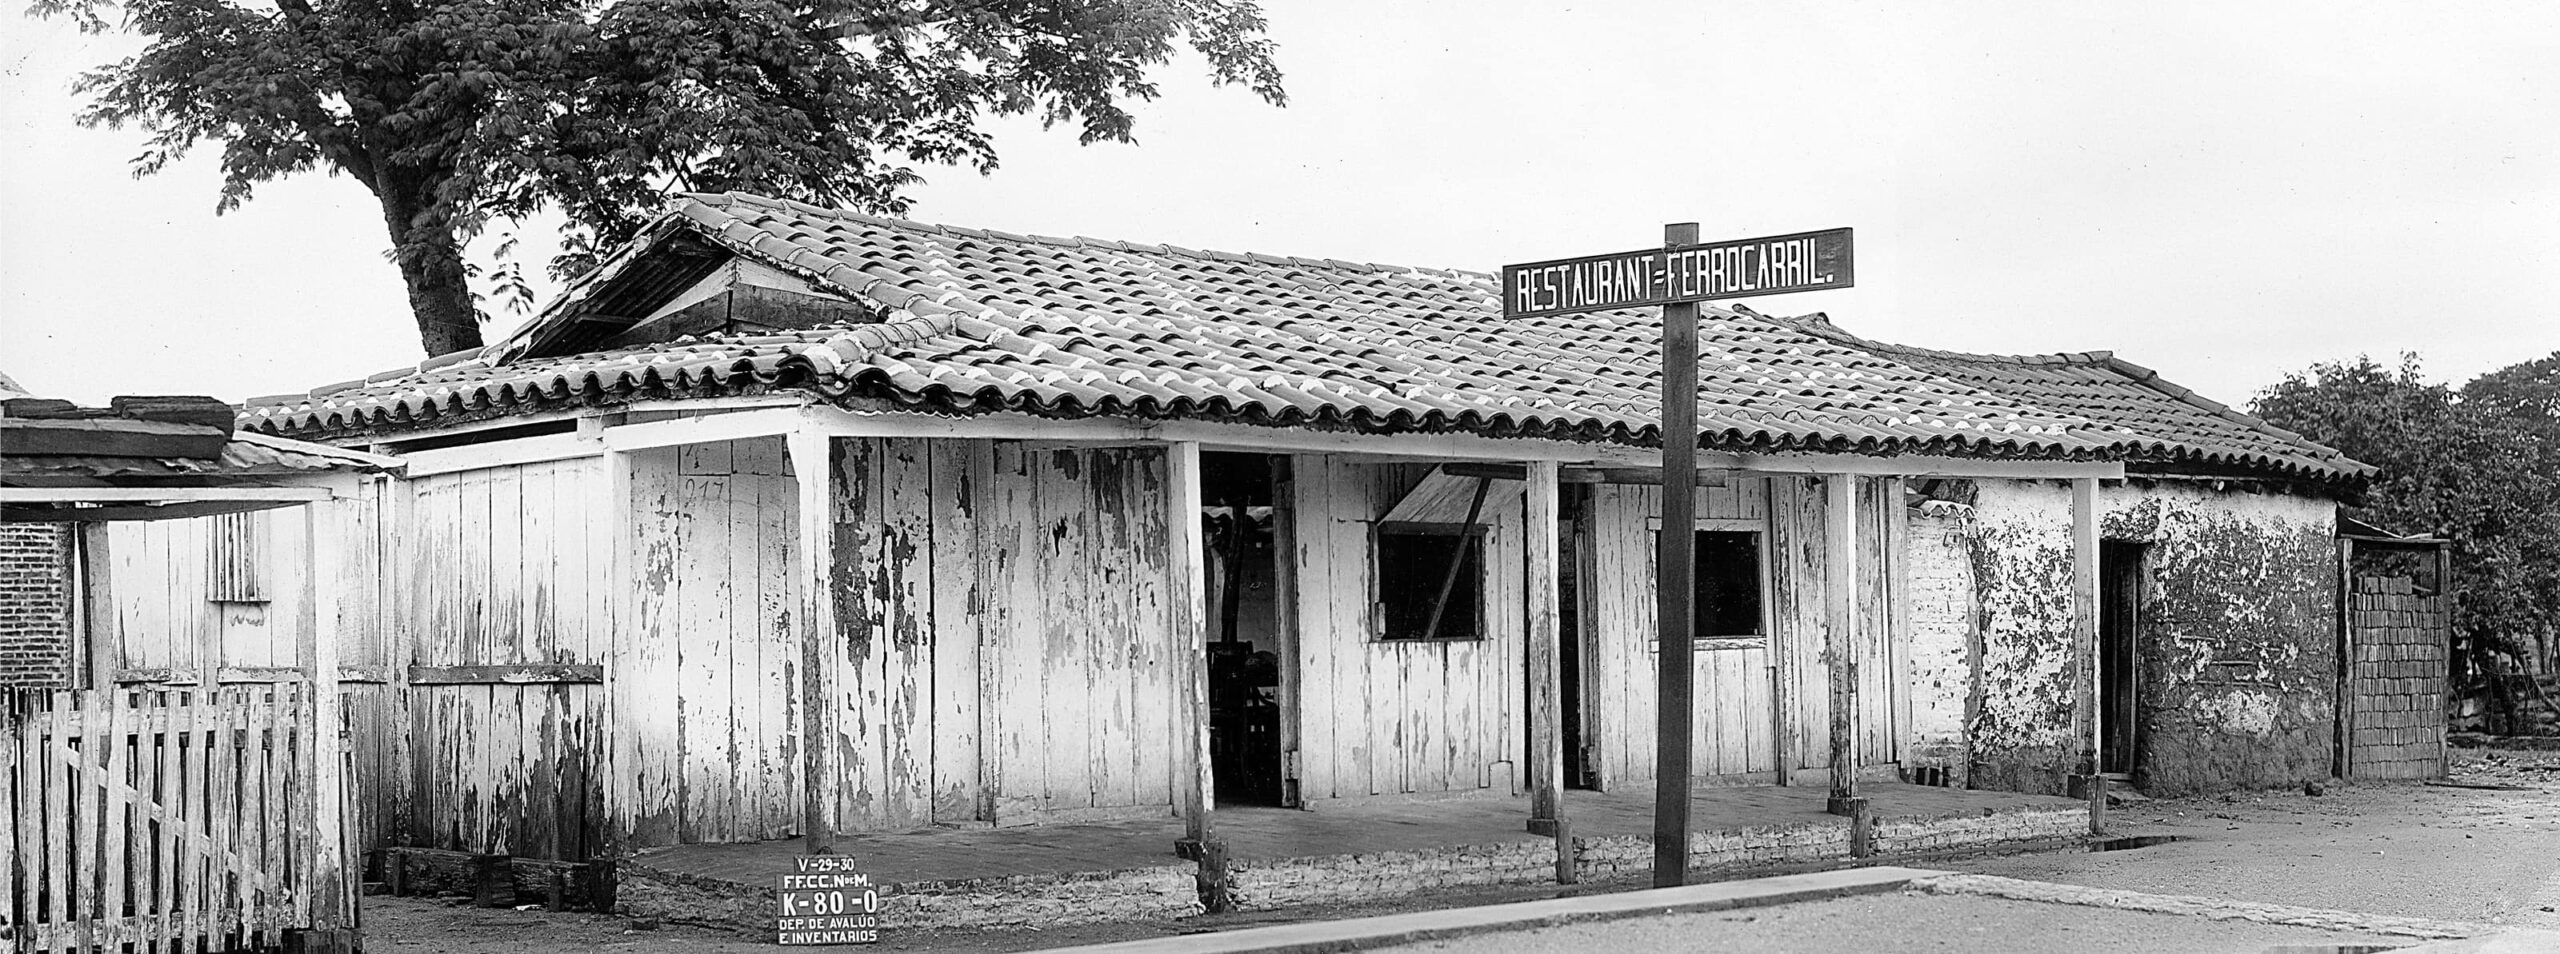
1839, 642
812, 457
1195, 790
333, 901
1675, 583
2444, 624
101, 629
2084, 644
2344, 708
1546, 668
621, 799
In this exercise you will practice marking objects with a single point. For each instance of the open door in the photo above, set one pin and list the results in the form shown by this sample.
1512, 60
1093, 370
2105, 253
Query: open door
2119, 654
1247, 643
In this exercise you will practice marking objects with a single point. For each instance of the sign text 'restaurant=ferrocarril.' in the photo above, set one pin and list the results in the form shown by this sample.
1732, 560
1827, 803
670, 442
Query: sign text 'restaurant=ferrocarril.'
1777, 264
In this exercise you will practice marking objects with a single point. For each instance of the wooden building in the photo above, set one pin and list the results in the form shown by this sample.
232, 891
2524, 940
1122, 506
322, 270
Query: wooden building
791, 521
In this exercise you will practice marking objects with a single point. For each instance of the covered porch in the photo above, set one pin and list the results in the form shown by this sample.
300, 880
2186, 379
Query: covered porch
1069, 873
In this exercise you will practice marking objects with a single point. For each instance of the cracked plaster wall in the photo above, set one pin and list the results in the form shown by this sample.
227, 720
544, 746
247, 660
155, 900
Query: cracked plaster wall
2237, 640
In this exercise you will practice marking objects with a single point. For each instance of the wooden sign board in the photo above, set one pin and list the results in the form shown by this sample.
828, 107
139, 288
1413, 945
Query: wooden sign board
1742, 268
825, 901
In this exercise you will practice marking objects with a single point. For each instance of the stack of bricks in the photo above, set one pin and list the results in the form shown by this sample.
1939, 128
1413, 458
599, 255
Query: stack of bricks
2400, 673
35, 605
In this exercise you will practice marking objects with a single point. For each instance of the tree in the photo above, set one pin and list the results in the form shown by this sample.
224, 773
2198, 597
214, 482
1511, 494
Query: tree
458, 113
2475, 463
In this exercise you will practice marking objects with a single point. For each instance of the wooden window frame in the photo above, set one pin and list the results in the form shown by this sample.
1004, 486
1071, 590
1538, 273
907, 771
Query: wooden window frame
1480, 532
1759, 531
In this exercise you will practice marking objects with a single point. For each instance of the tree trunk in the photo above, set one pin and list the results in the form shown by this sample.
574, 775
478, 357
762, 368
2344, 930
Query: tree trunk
430, 260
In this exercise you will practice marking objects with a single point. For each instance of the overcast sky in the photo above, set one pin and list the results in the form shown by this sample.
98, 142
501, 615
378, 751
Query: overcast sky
2222, 191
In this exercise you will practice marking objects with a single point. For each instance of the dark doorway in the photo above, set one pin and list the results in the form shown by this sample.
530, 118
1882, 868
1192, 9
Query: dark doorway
2119, 653
1570, 546
1246, 644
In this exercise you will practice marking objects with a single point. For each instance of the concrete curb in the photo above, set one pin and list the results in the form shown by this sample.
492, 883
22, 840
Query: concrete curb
2194, 906
2508, 941
1325, 937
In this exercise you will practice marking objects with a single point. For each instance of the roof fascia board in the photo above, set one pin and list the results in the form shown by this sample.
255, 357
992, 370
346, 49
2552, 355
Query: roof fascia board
53, 495
1214, 436
539, 449
1923, 466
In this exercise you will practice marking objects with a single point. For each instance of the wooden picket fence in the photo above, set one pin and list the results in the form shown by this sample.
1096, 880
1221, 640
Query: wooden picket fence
158, 820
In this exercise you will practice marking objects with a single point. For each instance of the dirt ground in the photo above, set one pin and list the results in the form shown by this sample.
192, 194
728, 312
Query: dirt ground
2485, 849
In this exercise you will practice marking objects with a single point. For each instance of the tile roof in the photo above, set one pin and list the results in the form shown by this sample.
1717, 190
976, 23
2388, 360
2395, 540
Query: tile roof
972, 320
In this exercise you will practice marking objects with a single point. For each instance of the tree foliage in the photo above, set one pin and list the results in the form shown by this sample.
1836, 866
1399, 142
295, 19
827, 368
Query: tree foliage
2481, 464
457, 113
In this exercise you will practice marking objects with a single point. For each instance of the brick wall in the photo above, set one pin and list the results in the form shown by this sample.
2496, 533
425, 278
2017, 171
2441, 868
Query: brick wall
35, 605
2400, 671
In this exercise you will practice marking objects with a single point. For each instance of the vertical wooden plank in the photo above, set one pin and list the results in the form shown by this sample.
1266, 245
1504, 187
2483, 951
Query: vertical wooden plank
616, 629
705, 709
13, 783
2084, 642
1016, 776
860, 612
1544, 646
332, 879
535, 590
1840, 645
88, 801
59, 724
232, 882
1060, 637
1288, 645
197, 868
168, 734
1188, 581
1119, 646
776, 515
746, 770
812, 463
1897, 532
953, 586
1308, 594
646, 731
905, 644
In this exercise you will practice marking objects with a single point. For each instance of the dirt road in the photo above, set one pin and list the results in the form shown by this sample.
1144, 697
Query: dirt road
2484, 854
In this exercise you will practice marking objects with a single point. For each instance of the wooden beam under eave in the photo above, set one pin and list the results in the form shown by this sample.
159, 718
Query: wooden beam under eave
1546, 668
1186, 567
333, 902
1840, 615
2084, 645
812, 457
1195, 791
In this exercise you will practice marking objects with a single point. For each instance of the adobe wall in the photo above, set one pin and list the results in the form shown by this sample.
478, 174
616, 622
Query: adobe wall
2237, 651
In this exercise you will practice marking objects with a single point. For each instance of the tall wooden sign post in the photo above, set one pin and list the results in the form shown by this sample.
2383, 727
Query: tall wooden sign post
1677, 277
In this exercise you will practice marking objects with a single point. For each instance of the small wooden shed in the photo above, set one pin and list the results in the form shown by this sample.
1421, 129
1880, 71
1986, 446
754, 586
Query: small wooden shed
148, 808
790, 522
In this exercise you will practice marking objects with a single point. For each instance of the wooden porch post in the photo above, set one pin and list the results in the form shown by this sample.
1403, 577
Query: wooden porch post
1840, 616
615, 510
331, 880
812, 465
2084, 644
1546, 670
1194, 787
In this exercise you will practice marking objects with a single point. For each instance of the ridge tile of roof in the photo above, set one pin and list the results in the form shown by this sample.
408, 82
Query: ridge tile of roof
974, 320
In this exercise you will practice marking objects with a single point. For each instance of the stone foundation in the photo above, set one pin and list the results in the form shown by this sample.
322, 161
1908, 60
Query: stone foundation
1171, 892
